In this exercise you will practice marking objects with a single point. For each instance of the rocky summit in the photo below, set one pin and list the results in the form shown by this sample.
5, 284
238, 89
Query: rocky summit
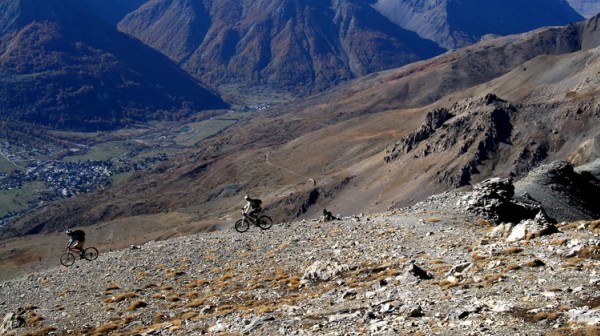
450, 265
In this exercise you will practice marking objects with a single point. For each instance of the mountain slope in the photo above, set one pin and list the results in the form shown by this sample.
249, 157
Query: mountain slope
455, 24
431, 270
587, 8
64, 68
388, 139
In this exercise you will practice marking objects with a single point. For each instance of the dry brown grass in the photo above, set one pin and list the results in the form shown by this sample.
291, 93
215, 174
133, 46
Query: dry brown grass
112, 287
188, 315
589, 252
174, 274
105, 329
575, 330
512, 267
485, 222
575, 262
42, 332
535, 263
173, 298
34, 318
490, 279
512, 250
197, 303
120, 297
137, 304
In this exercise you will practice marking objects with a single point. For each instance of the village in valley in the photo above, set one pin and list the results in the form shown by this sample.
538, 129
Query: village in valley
46, 180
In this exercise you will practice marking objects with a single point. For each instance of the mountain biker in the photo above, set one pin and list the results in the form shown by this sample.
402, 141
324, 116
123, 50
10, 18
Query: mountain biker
76, 240
253, 205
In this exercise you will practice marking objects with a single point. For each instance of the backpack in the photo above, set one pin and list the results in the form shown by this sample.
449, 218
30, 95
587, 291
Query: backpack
257, 202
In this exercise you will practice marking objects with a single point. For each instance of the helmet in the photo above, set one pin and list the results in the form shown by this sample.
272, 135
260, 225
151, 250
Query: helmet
246, 197
69, 231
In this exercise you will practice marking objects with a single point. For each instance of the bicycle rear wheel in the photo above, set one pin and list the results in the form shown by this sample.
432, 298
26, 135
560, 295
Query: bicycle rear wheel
67, 259
264, 222
90, 253
242, 225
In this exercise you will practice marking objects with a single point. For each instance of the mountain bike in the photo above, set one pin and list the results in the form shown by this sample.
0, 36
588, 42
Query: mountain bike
242, 225
68, 258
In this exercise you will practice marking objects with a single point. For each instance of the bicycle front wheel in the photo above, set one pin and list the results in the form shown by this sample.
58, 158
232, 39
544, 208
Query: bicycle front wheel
90, 253
265, 222
67, 259
242, 225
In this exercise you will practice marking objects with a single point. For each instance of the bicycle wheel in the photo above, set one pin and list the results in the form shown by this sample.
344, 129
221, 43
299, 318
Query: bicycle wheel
67, 259
242, 225
265, 222
90, 253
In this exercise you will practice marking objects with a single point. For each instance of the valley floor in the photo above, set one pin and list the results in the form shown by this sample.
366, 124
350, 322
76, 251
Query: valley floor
428, 270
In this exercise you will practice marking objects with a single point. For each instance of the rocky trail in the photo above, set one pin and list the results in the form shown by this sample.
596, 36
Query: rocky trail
433, 269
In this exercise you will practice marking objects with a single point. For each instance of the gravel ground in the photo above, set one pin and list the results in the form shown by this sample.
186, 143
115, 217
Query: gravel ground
432, 269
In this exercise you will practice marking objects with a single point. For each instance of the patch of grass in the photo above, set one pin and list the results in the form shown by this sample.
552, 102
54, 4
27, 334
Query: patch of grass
106, 328
196, 303
112, 287
490, 279
575, 262
120, 297
137, 304
174, 274
188, 315
589, 252
18, 199
35, 318
576, 330
478, 257
42, 332
173, 298
535, 263
484, 222
513, 250
512, 267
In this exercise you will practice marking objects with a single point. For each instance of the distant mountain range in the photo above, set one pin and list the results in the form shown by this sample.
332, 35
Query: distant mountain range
458, 23
305, 46
65, 65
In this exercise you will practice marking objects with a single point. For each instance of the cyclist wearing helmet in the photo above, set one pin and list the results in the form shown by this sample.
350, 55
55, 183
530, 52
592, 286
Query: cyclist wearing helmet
76, 240
253, 205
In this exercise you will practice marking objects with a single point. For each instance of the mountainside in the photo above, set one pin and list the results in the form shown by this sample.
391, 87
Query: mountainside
587, 8
500, 107
63, 67
112, 11
455, 24
432, 269
299, 46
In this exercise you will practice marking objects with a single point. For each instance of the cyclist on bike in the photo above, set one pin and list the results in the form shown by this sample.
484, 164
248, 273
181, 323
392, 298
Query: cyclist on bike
76, 240
253, 205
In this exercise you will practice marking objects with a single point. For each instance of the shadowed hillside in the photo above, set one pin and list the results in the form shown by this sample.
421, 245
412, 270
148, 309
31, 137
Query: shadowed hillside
64, 68
455, 24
